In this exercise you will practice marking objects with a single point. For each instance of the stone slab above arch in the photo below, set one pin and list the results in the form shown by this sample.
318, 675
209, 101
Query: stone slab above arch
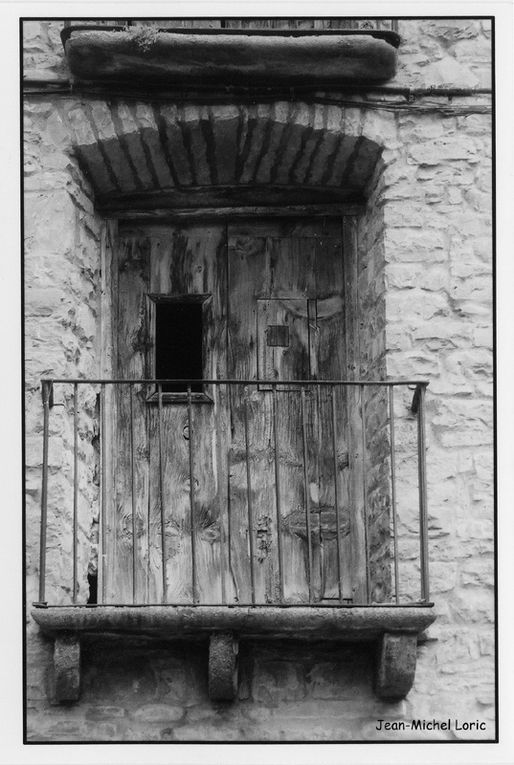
153, 56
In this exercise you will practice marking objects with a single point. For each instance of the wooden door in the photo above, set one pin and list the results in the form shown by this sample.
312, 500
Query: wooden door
248, 482
169, 460
286, 322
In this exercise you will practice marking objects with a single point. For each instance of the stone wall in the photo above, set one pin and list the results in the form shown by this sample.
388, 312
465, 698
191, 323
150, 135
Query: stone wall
62, 338
432, 212
438, 250
288, 692
370, 286
438, 53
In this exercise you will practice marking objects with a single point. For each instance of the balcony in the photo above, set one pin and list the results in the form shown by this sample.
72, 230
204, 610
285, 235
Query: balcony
235, 509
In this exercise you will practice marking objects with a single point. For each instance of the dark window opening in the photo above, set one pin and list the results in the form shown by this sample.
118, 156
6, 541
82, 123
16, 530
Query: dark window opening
92, 580
178, 344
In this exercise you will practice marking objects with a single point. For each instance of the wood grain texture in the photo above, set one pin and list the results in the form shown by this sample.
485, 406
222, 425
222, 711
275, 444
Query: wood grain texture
131, 485
108, 356
358, 541
165, 262
290, 273
228, 475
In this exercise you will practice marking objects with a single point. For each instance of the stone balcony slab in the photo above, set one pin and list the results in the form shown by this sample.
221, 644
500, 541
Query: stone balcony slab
275, 622
394, 630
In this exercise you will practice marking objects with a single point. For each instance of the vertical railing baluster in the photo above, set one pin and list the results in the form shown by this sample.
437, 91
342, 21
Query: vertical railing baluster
230, 571
75, 487
422, 484
103, 494
47, 395
277, 492
133, 491
307, 494
191, 496
220, 451
393, 493
249, 495
364, 491
336, 496
148, 436
320, 525
161, 497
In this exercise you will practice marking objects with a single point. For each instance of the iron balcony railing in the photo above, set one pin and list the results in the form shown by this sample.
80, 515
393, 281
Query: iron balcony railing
341, 520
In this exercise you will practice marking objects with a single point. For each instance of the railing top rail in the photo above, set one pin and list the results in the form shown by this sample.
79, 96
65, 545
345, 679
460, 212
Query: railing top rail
228, 381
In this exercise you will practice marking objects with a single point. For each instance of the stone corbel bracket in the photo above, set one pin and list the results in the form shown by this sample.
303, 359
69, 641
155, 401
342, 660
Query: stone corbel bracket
223, 680
396, 665
394, 629
66, 667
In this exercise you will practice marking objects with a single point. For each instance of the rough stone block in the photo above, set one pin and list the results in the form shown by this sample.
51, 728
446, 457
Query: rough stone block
193, 733
411, 245
441, 150
66, 668
396, 665
449, 73
223, 680
474, 605
277, 681
101, 712
158, 713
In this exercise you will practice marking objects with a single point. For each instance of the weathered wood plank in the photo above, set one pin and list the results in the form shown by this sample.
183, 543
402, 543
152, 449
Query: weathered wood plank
358, 543
264, 531
192, 261
279, 272
169, 261
130, 458
330, 360
287, 356
247, 259
272, 264
233, 197
196, 23
301, 23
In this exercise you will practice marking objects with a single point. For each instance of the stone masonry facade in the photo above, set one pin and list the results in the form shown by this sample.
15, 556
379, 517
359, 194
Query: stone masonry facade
425, 275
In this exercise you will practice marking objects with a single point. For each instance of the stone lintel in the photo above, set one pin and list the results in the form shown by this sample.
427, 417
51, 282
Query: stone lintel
254, 58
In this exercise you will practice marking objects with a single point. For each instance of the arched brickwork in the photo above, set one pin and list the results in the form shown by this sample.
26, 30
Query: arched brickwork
134, 147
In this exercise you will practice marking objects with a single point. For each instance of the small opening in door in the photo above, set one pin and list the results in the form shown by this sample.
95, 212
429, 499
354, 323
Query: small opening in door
178, 344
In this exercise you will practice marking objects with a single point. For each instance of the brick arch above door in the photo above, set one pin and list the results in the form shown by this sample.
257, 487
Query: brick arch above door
160, 152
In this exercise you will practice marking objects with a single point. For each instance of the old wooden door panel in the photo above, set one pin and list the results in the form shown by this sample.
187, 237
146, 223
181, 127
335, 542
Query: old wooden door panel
225, 475
329, 363
183, 455
355, 402
285, 274
283, 339
127, 541
190, 261
265, 260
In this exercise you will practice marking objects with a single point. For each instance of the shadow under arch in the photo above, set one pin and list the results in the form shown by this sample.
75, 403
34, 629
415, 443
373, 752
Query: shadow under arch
136, 153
